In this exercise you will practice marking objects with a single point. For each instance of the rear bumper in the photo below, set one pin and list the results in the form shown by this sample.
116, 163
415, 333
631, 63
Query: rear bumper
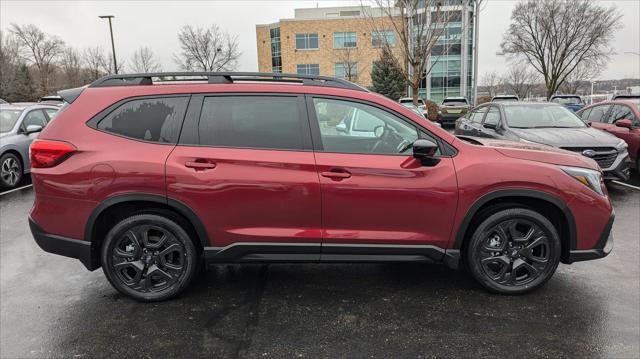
602, 248
449, 117
63, 246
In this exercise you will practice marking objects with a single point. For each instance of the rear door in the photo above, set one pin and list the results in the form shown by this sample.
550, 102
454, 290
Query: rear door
244, 164
375, 195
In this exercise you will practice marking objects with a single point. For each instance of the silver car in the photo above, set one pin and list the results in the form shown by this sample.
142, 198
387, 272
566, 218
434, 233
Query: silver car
20, 124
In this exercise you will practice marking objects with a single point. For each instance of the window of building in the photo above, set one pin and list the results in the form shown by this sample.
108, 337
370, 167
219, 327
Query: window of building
379, 38
151, 119
276, 50
346, 70
270, 122
307, 41
308, 69
343, 40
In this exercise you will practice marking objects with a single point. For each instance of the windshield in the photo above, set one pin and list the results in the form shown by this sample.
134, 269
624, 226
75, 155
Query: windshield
567, 100
8, 119
456, 102
541, 116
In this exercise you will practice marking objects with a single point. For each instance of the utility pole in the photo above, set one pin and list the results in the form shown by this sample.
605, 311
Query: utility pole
113, 47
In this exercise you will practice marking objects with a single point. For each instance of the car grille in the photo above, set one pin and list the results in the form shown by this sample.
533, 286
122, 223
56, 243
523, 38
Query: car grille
605, 156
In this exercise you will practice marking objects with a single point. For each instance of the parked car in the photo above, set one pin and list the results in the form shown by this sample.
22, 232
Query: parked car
620, 118
421, 105
549, 124
625, 97
572, 102
52, 100
19, 125
452, 108
505, 98
147, 181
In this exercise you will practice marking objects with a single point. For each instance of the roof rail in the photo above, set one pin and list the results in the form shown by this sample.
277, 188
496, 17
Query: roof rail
223, 78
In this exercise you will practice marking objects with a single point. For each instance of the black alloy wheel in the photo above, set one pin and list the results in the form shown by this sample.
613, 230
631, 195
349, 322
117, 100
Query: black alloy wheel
514, 251
149, 257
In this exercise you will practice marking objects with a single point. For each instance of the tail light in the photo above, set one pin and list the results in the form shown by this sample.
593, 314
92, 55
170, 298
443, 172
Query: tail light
46, 153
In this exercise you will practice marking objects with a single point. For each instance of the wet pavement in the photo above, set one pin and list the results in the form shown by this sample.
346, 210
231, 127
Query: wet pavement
52, 307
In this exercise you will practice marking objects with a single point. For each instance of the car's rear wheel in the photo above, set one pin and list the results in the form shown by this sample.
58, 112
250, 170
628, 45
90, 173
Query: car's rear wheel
10, 170
513, 251
149, 257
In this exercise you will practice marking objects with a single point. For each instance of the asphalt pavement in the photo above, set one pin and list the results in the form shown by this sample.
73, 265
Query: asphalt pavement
52, 306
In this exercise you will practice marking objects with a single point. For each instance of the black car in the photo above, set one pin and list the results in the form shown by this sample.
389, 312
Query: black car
548, 124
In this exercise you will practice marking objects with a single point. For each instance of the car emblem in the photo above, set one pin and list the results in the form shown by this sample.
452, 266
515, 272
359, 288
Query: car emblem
589, 153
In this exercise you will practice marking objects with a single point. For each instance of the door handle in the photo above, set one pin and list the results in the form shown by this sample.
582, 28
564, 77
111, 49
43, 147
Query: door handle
200, 165
336, 174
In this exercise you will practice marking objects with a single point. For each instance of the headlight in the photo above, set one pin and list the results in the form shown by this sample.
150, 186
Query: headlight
589, 178
621, 146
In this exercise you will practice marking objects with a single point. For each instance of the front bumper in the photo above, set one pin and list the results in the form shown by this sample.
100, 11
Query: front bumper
63, 246
602, 248
619, 170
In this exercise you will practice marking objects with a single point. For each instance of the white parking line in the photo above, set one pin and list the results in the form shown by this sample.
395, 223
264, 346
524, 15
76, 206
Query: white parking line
626, 185
15, 189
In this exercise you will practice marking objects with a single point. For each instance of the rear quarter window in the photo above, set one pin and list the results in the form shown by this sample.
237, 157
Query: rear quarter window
150, 119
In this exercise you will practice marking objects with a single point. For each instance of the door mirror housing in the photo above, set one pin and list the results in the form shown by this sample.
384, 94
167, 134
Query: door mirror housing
341, 127
425, 150
32, 129
624, 123
490, 126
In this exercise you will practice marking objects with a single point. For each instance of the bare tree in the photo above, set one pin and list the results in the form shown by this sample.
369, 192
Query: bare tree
350, 59
419, 25
207, 49
40, 49
95, 62
520, 80
9, 51
143, 60
71, 65
555, 37
491, 81
580, 78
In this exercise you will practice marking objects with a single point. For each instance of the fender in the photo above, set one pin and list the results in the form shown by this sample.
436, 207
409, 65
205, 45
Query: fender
133, 197
527, 193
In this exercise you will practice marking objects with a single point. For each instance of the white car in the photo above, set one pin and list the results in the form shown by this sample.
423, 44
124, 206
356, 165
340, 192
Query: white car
421, 105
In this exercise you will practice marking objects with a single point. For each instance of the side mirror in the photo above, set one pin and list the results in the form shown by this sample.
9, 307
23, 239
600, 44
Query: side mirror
624, 123
32, 129
492, 126
424, 151
341, 127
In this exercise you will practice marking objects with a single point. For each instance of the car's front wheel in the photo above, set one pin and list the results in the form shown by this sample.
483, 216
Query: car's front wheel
149, 257
10, 170
513, 251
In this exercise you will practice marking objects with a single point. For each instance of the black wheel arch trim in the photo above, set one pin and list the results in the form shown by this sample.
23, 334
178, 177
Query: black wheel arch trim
517, 192
176, 205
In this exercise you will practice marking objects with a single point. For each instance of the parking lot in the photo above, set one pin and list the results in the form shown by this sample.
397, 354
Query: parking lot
53, 307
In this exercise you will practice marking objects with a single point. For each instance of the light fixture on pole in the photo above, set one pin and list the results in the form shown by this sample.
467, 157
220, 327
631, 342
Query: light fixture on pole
113, 47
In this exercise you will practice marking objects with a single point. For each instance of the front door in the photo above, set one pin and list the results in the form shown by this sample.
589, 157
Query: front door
377, 199
245, 166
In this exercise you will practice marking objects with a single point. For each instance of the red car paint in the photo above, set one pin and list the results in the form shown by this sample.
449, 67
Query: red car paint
255, 195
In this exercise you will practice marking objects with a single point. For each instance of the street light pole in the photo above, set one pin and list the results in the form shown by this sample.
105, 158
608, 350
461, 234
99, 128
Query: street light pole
113, 47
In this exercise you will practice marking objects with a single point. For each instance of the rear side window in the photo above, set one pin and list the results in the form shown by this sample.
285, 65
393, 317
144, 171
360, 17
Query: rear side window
150, 119
268, 122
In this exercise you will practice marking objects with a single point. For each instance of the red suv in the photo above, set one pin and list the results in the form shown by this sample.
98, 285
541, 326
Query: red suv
150, 179
620, 118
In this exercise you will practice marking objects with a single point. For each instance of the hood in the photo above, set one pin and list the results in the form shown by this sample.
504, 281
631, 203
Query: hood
567, 137
536, 152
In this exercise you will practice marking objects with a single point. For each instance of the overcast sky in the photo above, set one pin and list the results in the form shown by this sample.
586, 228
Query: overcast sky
156, 23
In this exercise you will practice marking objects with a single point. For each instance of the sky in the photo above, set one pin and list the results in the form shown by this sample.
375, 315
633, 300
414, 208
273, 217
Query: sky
155, 24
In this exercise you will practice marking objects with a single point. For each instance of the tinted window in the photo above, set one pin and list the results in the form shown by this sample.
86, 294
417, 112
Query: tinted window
584, 115
493, 116
597, 113
35, 117
51, 113
541, 116
251, 121
153, 119
8, 119
621, 112
351, 127
477, 114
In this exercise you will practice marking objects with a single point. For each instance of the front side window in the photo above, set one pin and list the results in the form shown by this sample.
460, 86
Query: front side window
584, 115
492, 117
152, 119
346, 71
8, 119
308, 69
267, 122
597, 113
380, 38
621, 112
477, 114
306, 41
342, 40
51, 113
351, 127
35, 117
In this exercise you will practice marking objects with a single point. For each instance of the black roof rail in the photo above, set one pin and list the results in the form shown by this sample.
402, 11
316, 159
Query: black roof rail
223, 78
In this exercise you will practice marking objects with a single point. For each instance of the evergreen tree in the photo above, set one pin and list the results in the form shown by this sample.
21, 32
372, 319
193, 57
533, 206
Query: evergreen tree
22, 86
387, 78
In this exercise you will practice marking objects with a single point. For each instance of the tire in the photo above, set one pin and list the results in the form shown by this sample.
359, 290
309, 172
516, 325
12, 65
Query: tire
152, 267
513, 251
11, 171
